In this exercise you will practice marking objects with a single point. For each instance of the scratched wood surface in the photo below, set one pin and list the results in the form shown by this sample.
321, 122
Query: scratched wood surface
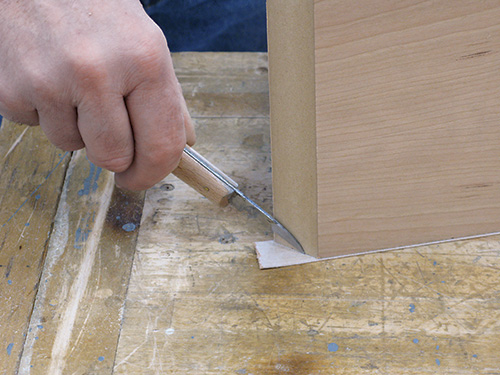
192, 300
77, 315
198, 304
31, 175
66, 272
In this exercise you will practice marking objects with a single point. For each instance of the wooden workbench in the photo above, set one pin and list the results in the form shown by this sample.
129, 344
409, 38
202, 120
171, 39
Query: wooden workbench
86, 290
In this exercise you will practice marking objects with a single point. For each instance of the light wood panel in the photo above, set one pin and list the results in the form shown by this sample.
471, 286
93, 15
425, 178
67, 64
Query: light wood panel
293, 115
406, 125
31, 176
77, 315
198, 304
208, 95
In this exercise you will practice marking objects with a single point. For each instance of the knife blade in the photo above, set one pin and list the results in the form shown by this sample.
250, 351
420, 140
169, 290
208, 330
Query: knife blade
211, 182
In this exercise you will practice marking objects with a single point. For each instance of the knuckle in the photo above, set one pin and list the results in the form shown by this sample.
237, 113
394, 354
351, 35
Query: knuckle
63, 140
134, 185
89, 75
166, 156
42, 88
115, 164
36, 81
16, 108
69, 145
109, 152
153, 40
89, 72
152, 50
11, 102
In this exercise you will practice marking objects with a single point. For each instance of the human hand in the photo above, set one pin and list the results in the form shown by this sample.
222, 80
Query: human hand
95, 74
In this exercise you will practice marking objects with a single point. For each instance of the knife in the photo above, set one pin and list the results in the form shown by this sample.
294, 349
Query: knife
208, 180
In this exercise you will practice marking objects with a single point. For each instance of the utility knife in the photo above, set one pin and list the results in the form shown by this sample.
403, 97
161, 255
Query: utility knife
208, 180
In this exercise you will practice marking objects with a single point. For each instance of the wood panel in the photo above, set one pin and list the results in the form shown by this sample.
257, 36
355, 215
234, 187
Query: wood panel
242, 92
198, 303
293, 118
406, 123
31, 177
180, 225
76, 318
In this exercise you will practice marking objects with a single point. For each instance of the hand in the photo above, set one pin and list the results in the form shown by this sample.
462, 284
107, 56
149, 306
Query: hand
95, 74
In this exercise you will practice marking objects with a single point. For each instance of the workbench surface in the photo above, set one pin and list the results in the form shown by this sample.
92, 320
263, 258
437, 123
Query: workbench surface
85, 289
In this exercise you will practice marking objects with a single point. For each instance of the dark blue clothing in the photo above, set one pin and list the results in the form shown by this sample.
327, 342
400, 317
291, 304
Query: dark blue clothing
211, 25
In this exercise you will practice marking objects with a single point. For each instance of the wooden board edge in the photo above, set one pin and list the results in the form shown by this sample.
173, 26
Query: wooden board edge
271, 254
293, 117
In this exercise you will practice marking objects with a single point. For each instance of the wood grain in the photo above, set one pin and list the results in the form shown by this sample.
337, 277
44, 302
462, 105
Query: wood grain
201, 179
76, 320
293, 115
197, 302
406, 124
31, 176
243, 91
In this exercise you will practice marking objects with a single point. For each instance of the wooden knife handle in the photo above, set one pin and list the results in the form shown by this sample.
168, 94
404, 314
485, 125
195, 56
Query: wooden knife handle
200, 179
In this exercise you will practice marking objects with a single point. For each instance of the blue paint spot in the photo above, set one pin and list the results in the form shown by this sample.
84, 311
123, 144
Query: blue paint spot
437, 347
81, 236
332, 347
90, 183
118, 217
412, 308
36, 337
101, 358
27, 224
474, 356
415, 341
192, 337
9, 348
9, 282
39, 326
129, 227
435, 263
438, 362
443, 281
38, 196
